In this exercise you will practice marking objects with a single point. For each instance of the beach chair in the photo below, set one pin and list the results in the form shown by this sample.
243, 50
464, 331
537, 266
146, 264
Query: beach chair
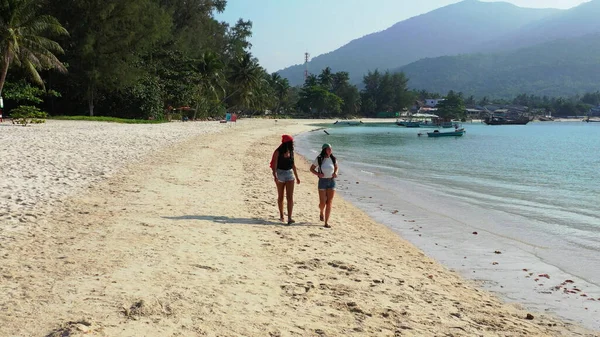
229, 117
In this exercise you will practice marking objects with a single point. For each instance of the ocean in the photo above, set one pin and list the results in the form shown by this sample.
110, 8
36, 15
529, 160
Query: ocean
516, 208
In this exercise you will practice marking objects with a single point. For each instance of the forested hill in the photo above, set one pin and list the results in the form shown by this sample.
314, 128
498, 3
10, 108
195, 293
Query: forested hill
459, 28
578, 21
558, 68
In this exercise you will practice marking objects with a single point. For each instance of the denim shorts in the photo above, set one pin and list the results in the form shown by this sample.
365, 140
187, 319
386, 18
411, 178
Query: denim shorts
326, 183
285, 175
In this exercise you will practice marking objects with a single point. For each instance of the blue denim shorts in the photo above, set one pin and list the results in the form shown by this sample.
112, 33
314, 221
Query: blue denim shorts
326, 183
285, 175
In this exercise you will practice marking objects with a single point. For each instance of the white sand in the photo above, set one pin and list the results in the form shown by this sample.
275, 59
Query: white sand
42, 164
186, 242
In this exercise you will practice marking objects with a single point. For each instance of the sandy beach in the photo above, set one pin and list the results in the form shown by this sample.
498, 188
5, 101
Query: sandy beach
172, 230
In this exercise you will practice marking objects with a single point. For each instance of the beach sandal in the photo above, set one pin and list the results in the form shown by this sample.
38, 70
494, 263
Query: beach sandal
321, 217
327, 225
291, 222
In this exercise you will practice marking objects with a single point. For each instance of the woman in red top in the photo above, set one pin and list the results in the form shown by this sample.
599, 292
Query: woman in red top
284, 173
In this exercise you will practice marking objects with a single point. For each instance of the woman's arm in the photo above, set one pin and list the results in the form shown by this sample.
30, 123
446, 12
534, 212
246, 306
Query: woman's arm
313, 170
296, 174
335, 170
274, 161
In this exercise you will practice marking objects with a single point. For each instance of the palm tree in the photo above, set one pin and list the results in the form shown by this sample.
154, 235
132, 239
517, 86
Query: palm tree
245, 78
23, 39
210, 85
311, 81
281, 86
326, 78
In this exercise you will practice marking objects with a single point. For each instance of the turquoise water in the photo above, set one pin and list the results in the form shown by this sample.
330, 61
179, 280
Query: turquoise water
534, 190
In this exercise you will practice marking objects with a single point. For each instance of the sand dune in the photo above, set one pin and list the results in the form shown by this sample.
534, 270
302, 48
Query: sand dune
180, 237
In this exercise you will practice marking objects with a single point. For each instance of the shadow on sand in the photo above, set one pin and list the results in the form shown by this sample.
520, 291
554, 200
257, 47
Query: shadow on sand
242, 221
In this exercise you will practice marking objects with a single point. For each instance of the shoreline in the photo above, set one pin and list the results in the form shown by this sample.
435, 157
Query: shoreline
508, 262
187, 241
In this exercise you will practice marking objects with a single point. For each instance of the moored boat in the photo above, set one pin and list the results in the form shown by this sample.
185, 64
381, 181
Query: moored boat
455, 133
497, 120
408, 124
352, 123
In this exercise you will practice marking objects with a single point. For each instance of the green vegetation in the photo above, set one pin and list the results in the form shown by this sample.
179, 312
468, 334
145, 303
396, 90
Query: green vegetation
331, 94
576, 105
27, 114
559, 68
135, 60
385, 92
452, 107
26, 39
107, 119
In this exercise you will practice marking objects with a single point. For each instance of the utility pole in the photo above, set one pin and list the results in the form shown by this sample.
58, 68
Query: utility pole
306, 56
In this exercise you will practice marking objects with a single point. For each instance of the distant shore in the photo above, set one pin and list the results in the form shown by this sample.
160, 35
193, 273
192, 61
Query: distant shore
172, 229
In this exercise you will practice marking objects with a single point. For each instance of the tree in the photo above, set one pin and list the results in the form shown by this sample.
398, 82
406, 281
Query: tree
385, 92
452, 107
109, 38
316, 98
326, 78
311, 81
210, 85
484, 101
238, 38
401, 98
194, 30
25, 39
281, 88
347, 92
470, 101
245, 76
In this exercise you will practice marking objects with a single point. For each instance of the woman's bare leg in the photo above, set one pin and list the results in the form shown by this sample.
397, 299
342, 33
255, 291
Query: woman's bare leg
322, 201
280, 188
289, 194
330, 193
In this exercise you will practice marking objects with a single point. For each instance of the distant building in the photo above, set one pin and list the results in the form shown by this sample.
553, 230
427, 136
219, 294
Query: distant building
474, 113
433, 102
427, 110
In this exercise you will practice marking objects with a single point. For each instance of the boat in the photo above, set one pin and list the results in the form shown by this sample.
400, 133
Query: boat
347, 122
455, 133
444, 125
546, 119
408, 124
497, 120
421, 120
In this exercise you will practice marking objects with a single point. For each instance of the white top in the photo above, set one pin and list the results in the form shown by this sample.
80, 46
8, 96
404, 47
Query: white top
327, 167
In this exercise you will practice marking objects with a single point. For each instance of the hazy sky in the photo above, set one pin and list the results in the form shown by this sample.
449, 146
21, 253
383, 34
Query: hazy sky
283, 30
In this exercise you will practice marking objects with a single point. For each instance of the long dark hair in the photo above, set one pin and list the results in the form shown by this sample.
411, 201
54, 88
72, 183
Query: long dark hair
324, 153
287, 146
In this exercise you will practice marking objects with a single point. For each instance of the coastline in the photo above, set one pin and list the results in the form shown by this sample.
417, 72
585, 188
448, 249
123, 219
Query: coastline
512, 255
186, 241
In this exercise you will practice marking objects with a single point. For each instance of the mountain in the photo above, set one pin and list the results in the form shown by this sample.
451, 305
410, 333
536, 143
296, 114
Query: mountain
459, 28
581, 20
557, 68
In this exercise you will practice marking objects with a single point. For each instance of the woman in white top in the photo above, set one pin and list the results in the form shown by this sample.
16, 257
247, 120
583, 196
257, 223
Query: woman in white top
325, 167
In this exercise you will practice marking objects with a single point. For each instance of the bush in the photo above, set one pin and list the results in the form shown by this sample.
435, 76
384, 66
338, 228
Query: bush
27, 114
